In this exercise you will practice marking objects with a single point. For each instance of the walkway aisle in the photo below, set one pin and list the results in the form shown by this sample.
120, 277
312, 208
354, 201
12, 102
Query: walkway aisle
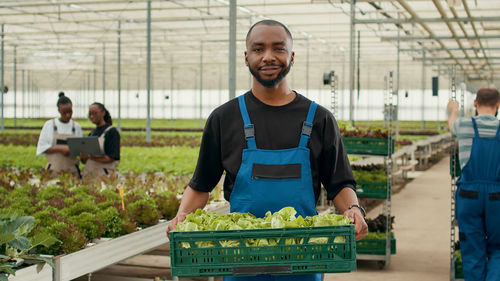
422, 222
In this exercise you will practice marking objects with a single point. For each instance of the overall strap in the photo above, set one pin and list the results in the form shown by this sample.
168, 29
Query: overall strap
73, 128
475, 127
107, 129
307, 125
54, 123
498, 132
248, 127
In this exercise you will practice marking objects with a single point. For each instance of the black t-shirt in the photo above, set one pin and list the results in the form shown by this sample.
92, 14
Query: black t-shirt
111, 141
276, 127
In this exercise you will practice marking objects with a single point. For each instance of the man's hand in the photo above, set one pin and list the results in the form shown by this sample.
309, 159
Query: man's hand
452, 106
174, 222
360, 226
191, 200
452, 109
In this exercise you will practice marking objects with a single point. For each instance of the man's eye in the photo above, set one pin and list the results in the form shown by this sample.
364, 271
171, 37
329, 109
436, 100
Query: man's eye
257, 50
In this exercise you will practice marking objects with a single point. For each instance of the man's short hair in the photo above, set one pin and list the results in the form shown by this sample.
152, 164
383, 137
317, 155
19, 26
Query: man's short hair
270, 22
487, 96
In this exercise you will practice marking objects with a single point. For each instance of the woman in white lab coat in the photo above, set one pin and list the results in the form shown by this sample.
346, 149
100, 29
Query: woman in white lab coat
52, 142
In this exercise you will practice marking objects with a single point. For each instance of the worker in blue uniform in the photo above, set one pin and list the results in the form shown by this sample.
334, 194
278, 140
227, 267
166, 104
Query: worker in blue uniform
478, 188
276, 146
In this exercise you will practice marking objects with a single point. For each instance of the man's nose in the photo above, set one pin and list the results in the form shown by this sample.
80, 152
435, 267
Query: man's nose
268, 56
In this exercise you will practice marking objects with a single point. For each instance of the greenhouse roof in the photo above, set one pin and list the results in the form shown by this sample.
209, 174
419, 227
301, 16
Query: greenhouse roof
70, 43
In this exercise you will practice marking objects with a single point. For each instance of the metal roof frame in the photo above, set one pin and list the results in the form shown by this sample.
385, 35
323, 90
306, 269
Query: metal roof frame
68, 27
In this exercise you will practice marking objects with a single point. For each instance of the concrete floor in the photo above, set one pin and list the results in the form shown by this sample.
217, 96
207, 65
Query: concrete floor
422, 230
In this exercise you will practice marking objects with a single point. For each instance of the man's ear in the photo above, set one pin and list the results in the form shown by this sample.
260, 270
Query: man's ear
292, 58
246, 58
475, 103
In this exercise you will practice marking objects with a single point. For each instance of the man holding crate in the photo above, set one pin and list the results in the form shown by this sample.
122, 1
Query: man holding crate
276, 146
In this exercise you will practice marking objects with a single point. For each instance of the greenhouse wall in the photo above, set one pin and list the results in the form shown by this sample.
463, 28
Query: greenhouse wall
186, 103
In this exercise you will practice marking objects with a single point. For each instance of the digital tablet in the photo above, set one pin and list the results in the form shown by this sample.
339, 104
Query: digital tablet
85, 145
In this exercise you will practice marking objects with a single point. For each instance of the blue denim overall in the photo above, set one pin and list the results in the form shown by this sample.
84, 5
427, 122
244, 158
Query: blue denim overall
478, 210
269, 180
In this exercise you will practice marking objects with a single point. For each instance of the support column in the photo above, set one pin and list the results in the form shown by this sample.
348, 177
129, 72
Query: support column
119, 84
437, 101
398, 67
307, 67
2, 85
22, 96
220, 86
104, 73
423, 90
15, 85
232, 49
344, 74
171, 94
201, 83
95, 84
88, 89
351, 63
148, 75
28, 84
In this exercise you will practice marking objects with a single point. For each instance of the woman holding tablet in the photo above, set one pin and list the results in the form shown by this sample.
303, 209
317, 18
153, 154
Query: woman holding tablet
52, 141
109, 142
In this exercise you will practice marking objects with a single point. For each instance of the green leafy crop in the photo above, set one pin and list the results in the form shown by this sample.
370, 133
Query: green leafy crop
14, 243
200, 220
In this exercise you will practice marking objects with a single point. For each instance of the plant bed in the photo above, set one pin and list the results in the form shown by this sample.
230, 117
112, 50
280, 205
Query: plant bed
31, 139
282, 258
77, 212
36, 272
101, 255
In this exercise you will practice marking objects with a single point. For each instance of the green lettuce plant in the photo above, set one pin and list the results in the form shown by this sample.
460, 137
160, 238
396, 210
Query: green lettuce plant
201, 220
14, 244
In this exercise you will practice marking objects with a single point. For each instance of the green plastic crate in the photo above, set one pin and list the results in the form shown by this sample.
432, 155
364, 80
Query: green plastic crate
459, 271
370, 146
329, 257
374, 246
371, 189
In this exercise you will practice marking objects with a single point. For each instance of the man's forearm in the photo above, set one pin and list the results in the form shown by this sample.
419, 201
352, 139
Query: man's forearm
451, 119
192, 200
344, 199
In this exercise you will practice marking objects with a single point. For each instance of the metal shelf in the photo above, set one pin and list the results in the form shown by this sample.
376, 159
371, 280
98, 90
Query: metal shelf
388, 161
453, 174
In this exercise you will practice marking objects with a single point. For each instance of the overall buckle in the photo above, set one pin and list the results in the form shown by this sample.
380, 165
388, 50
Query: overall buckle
307, 128
249, 131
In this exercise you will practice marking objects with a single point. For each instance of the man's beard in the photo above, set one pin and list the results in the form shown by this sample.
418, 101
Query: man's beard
273, 82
